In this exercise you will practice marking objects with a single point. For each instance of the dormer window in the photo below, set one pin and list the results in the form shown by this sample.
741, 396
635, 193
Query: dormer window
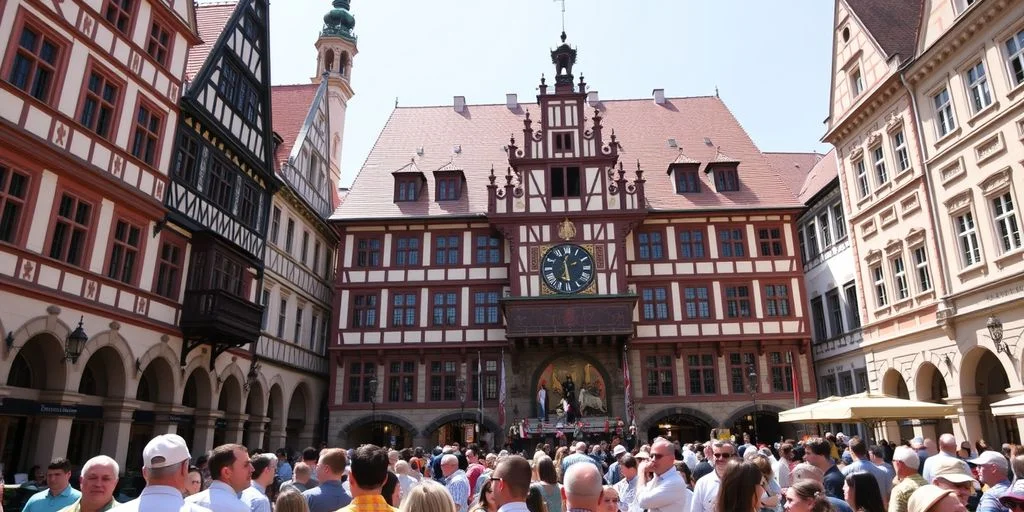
448, 188
563, 142
726, 180
565, 182
687, 180
407, 188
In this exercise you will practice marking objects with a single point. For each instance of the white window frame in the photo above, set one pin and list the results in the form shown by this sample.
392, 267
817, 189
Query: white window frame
863, 182
899, 278
839, 221
900, 152
978, 91
825, 235
966, 230
945, 117
881, 295
1014, 48
1004, 218
856, 82
924, 275
878, 162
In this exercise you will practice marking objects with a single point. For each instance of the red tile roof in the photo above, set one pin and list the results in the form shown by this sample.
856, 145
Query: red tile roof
894, 24
820, 176
793, 167
290, 105
703, 127
210, 21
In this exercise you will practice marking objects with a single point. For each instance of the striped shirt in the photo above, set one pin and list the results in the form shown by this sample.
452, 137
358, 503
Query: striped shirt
458, 486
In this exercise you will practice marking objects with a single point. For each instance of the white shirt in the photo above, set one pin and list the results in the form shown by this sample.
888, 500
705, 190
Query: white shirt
928, 471
705, 493
627, 494
160, 498
665, 493
514, 506
781, 473
220, 497
690, 459
542, 395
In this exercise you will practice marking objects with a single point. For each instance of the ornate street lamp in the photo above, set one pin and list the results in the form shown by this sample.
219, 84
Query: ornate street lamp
995, 332
75, 343
460, 387
373, 405
752, 375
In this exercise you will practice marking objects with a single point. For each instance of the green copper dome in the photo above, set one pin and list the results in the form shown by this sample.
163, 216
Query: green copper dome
339, 21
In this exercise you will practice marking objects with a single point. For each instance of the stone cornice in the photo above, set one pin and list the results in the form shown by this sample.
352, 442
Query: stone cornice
961, 33
865, 111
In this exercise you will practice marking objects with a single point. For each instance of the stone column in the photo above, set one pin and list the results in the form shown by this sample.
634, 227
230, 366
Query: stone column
969, 424
117, 428
53, 437
278, 436
257, 429
233, 432
206, 421
926, 431
305, 437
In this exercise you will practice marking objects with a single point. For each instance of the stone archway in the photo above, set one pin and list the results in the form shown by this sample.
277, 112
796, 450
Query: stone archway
683, 424
552, 370
984, 376
104, 374
229, 399
198, 392
765, 417
298, 424
930, 386
39, 364
157, 382
378, 428
466, 416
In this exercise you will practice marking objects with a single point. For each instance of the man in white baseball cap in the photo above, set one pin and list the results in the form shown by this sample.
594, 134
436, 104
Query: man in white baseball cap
614, 473
165, 461
993, 470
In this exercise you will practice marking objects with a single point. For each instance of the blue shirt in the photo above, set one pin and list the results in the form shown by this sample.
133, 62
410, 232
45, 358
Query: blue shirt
284, 471
883, 478
580, 457
327, 497
990, 500
43, 501
256, 498
833, 482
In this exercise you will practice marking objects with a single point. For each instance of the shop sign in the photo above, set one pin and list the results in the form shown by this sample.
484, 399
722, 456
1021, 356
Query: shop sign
20, 407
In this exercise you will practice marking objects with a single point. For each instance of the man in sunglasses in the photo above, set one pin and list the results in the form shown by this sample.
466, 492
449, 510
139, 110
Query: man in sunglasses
705, 493
666, 491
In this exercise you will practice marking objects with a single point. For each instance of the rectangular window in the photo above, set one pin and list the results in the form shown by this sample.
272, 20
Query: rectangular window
826, 234
168, 273
445, 309
186, 166
899, 273
119, 14
1006, 222
100, 106
659, 371
13, 195
488, 250
490, 378
835, 312
818, 315
899, 147
485, 308
731, 240
812, 240
654, 303
740, 367
565, 182
977, 87
443, 375
36, 59
403, 310
364, 311
146, 139
446, 250
402, 381
71, 230
305, 246
563, 142
649, 246
275, 225
828, 387
408, 189
220, 185
970, 250
727, 180
359, 375
776, 300
845, 384
289, 236
878, 160
801, 240
368, 253
945, 121
881, 295
312, 330
282, 317
687, 181
691, 244
124, 251
1015, 57
701, 371
299, 313
863, 184
856, 82
227, 274
316, 257
781, 366
924, 279
324, 322
407, 252
228, 82
265, 302
737, 301
770, 240
159, 43
696, 301
839, 221
852, 305
248, 198
448, 188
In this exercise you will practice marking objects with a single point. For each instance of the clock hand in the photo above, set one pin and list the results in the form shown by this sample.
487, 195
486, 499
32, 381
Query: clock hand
565, 265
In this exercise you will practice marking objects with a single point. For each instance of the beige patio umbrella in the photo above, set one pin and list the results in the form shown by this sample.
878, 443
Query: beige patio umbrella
867, 407
1013, 406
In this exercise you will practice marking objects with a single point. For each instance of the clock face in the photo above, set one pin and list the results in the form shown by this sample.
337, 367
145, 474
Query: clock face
567, 268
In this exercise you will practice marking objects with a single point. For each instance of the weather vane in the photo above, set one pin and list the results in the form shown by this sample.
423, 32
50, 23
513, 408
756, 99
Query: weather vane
563, 14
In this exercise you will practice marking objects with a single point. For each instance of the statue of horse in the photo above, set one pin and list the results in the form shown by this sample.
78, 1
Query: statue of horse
587, 400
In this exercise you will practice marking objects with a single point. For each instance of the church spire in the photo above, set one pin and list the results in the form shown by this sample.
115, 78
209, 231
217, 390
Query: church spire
339, 21
563, 57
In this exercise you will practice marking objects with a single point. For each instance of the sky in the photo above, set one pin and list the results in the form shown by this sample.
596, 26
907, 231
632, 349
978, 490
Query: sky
770, 60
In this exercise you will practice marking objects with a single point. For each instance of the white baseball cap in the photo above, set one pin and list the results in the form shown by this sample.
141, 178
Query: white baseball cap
165, 450
618, 450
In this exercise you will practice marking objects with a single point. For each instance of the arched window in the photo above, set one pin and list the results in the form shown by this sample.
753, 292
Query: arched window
329, 60
343, 66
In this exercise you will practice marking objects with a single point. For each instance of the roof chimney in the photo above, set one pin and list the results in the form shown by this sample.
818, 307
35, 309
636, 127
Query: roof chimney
460, 104
592, 99
511, 101
659, 96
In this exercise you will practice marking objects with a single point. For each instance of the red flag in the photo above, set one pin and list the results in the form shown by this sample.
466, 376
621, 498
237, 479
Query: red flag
796, 380
501, 394
628, 386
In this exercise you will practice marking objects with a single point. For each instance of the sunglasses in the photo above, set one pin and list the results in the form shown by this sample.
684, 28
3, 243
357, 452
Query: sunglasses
657, 456
722, 455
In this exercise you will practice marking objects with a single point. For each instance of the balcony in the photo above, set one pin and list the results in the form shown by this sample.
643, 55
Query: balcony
289, 354
310, 194
529, 317
219, 319
846, 342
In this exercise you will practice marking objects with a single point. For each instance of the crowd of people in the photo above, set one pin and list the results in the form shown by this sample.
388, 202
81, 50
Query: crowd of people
826, 474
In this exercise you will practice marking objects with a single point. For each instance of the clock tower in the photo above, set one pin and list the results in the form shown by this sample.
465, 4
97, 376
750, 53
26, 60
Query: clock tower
336, 48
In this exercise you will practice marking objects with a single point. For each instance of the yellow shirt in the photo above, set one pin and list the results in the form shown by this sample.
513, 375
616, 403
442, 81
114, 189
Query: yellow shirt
370, 503
77, 506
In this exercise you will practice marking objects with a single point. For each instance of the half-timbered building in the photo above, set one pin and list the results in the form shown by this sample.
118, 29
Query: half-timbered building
634, 258
91, 279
